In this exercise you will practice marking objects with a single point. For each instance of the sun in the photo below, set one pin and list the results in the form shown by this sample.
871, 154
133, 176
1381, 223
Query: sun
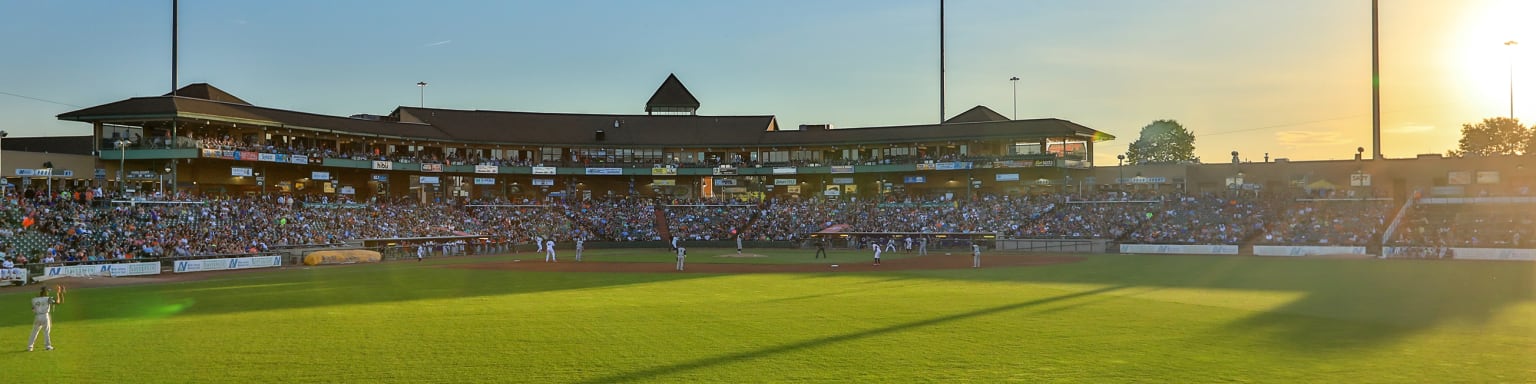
1495, 43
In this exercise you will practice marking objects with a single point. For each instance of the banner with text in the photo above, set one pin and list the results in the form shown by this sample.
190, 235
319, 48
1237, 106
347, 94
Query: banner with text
483, 168
1180, 249
383, 165
543, 170
125, 269
183, 266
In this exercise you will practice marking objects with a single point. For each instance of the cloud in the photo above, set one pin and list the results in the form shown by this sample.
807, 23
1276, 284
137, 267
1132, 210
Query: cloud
1309, 138
438, 43
1411, 129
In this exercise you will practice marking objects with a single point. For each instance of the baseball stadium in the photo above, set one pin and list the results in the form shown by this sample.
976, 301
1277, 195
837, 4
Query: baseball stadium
203, 238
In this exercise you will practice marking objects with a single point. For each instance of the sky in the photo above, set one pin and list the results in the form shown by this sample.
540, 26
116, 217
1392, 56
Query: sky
1290, 78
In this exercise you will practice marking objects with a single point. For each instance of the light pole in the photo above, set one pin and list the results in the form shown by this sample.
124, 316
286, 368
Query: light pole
1121, 180
162, 181
1015, 81
122, 161
423, 86
49, 166
3, 134
1511, 44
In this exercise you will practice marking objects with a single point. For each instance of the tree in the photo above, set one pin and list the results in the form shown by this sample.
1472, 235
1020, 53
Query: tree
1163, 142
1494, 136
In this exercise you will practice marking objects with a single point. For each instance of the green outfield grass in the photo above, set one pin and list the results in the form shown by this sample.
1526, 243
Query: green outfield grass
728, 256
1159, 319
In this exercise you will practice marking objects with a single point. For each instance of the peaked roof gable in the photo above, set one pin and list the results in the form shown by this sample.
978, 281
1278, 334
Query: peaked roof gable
977, 115
672, 94
206, 91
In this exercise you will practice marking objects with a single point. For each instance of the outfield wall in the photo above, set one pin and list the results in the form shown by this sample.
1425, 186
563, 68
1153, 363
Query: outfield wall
183, 266
1306, 250
1180, 249
1464, 253
1053, 245
120, 269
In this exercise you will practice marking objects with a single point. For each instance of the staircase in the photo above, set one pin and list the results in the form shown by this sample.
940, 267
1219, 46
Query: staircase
661, 222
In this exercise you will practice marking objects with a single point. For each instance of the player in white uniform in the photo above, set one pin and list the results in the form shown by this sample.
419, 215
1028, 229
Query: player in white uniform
682, 253
421, 252
922, 249
738, 243
975, 255
579, 247
890, 245
674, 242
876, 246
538, 241
908, 246
549, 250
42, 305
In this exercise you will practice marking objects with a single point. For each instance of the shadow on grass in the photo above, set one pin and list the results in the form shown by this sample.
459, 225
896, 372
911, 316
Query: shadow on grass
813, 343
1343, 302
322, 287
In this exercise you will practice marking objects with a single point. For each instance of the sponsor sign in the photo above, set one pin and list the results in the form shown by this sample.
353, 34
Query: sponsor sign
842, 180
427, 180
241, 171
1007, 177
925, 167
142, 175
663, 171
347, 190
953, 165
1178, 249
379, 177
734, 190
210, 153
432, 167
725, 182
126, 269
664, 182
248, 156
1279, 250
785, 170
605, 171
725, 170
483, 168
1487, 177
320, 175
383, 165
832, 190
1459, 178
1143, 180
842, 169
485, 181
267, 157
543, 170
185, 266
914, 179
792, 189
282, 158
298, 159
544, 182
785, 182
26, 172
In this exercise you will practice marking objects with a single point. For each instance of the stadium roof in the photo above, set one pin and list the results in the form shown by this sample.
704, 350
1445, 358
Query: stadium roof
208, 103
672, 95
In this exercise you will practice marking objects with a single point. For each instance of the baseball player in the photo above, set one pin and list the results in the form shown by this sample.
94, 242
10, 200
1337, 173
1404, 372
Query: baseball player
890, 244
549, 250
975, 255
821, 248
876, 246
682, 253
421, 252
674, 242
538, 241
922, 249
579, 247
907, 248
738, 244
41, 320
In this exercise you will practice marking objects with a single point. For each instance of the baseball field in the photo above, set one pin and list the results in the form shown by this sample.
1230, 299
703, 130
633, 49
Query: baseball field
780, 316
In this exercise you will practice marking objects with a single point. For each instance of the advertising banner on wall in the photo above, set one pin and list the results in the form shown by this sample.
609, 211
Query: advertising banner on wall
1007, 177
379, 177
428, 180
842, 169
383, 165
663, 171
785, 171
240, 171
544, 182
485, 181
785, 182
483, 168
298, 159
319, 175
664, 182
914, 179
605, 171
268, 157
543, 170
431, 167
842, 180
